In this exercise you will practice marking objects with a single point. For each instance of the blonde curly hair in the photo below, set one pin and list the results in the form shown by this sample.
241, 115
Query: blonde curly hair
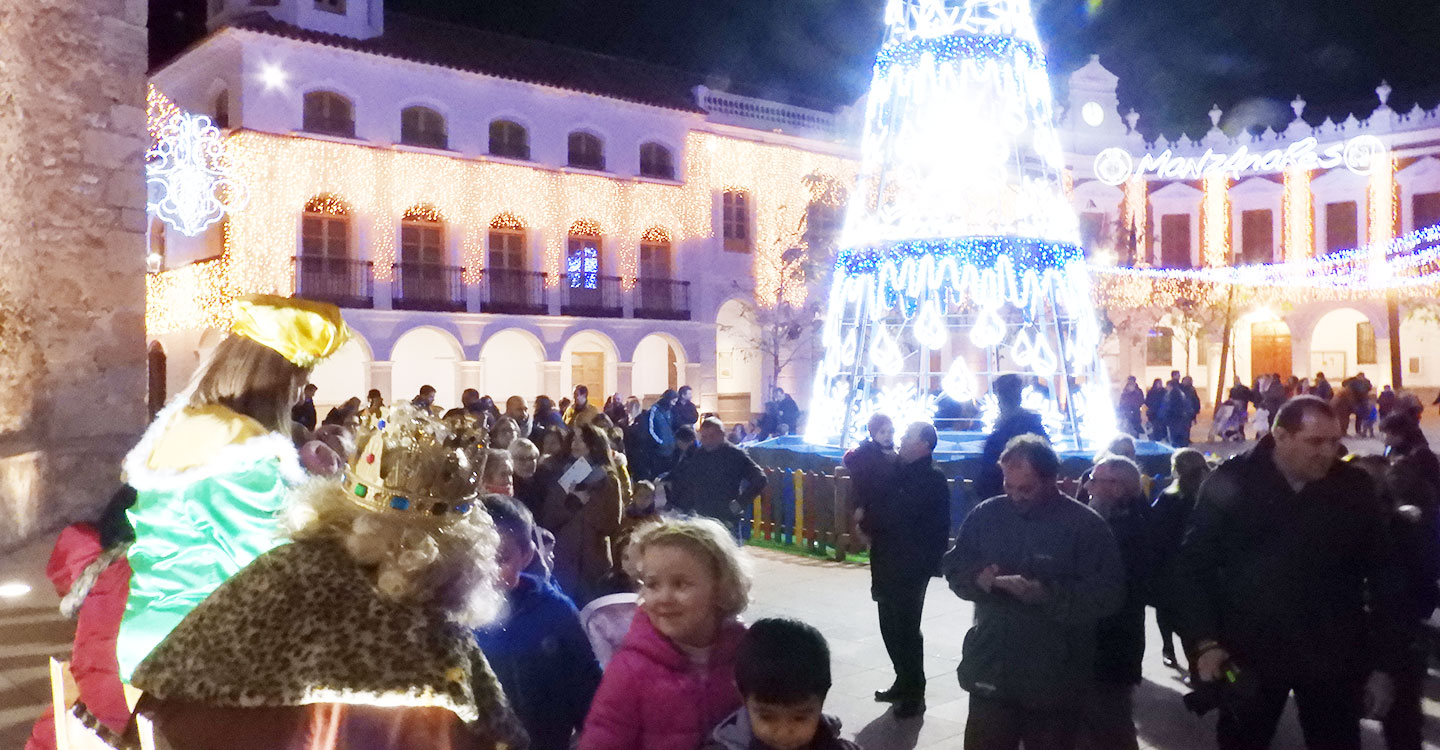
412, 557
709, 541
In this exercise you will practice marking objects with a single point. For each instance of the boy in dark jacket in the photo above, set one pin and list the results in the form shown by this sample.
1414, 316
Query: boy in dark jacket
783, 671
538, 650
909, 530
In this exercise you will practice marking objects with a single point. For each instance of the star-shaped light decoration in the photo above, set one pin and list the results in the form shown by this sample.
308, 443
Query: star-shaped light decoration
190, 180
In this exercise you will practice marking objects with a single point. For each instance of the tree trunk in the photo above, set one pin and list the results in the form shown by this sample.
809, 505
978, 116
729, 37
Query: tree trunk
1392, 320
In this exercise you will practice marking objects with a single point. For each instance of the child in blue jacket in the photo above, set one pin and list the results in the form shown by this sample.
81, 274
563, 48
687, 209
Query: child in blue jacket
537, 648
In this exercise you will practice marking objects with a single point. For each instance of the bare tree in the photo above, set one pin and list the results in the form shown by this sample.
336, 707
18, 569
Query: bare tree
781, 333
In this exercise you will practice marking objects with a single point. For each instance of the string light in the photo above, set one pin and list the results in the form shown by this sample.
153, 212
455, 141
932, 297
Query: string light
1215, 220
657, 235
375, 187
963, 222
424, 213
1299, 219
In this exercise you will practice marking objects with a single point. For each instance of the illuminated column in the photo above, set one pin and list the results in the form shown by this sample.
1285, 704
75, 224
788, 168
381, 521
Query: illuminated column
1299, 217
1215, 221
1382, 204
1136, 204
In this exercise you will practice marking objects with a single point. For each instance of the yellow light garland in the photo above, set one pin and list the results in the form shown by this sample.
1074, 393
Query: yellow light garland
1215, 220
1299, 217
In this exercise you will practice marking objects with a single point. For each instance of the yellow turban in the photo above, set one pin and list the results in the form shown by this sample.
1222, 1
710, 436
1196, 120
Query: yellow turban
302, 331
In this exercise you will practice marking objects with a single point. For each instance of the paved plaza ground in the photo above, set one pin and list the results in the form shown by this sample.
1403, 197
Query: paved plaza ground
834, 597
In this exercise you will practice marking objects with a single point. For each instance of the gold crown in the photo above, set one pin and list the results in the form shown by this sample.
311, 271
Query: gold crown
411, 462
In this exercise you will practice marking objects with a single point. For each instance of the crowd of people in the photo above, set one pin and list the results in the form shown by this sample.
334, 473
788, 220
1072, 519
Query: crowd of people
1168, 410
571, 575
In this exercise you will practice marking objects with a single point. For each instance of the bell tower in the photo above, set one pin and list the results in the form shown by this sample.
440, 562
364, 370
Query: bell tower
358, 19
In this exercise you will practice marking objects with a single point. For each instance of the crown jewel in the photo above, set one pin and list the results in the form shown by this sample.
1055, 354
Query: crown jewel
413, 463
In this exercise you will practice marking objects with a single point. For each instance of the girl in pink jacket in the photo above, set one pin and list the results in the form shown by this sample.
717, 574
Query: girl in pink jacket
673, 679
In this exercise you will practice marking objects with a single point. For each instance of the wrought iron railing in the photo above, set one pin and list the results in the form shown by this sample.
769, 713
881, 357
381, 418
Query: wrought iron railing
340, 281
428, 286
662, 299
590, 296
514, 292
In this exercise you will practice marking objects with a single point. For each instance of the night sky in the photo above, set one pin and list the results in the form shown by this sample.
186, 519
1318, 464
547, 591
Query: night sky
1174, 57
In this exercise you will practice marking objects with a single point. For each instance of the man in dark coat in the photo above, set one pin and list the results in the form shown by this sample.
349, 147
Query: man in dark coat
304, 412
1014, 421
786, 410
1412, 490
909, 530
684, 412
717, 480
1043, 571
872, 464
1116, 494
1322, 388
1286, 573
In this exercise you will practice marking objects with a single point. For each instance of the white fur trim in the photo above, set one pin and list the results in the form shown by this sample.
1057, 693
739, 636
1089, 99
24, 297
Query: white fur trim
139, 475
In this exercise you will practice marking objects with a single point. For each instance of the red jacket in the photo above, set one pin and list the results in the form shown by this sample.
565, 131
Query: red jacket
653, 698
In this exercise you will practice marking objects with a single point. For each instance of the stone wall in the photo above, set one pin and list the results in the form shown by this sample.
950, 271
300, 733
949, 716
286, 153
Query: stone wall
72, 290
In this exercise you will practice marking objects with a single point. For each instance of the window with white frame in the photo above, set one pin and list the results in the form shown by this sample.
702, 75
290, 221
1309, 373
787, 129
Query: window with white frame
422, 126
586, 151
329, 113
735, 221
656, 162
509, 139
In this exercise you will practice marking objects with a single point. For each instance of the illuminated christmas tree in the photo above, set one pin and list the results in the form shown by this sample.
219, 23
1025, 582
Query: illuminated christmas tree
962, 257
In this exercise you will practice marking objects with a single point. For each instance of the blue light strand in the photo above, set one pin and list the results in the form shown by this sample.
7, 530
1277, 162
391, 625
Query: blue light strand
950, 48
983, 252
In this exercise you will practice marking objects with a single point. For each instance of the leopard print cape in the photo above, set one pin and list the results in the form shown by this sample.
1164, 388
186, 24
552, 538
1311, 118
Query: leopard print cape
304, 624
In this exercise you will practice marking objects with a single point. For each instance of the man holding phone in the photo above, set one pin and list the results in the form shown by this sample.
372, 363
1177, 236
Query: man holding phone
1042, 570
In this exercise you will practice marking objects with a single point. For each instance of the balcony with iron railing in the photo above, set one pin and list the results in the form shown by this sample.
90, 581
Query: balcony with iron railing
591, 296
662, 299
514, 292
428, 286
340, 281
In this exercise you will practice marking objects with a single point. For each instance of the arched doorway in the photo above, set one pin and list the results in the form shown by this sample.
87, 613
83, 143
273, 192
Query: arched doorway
659, 364
1270, 349
737, 361
426, 356
511, 365
344, 374
590, 358
155, 368
1343, 344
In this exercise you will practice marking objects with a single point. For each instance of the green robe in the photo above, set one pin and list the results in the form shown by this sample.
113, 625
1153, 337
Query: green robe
208, 509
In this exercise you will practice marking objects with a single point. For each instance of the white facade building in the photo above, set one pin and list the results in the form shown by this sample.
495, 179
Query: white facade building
516, 217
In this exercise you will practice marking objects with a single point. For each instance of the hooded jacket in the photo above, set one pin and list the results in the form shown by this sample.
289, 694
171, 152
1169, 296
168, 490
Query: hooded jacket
735, 733
653, 697
544, 662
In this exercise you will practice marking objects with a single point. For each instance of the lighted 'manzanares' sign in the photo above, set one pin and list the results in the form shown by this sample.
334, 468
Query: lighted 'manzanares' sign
1114, 166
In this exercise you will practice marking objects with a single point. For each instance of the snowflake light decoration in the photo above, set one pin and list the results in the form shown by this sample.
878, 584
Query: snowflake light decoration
190, 180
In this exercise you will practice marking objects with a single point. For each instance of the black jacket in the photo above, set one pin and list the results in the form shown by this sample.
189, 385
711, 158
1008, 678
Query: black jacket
304, 413
1414, 479
708, 481
1120, 638
909, 528
1037, 655
871, 469
1282, 579
1169, 516
990, 481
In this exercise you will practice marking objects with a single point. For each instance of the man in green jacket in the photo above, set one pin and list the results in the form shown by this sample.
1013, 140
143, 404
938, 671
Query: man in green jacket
1042, 570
